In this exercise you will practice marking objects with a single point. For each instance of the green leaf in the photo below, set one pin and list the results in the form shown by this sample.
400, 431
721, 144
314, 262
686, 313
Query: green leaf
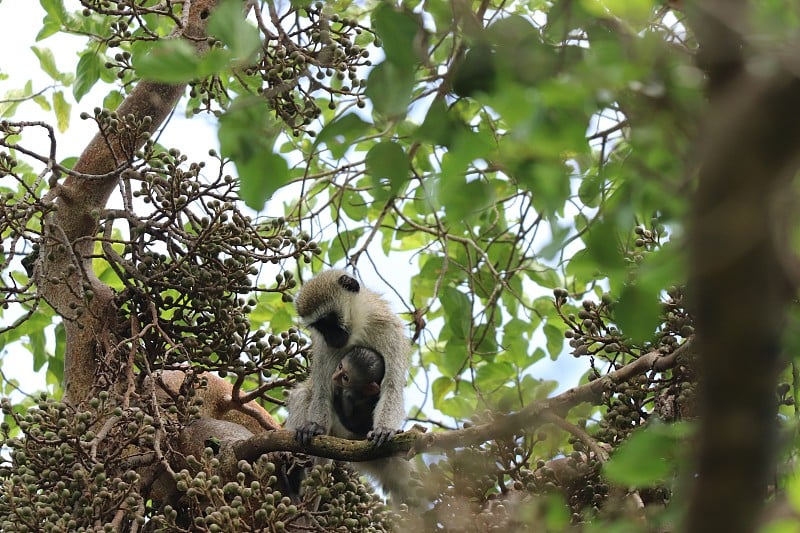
548, 179
271, 312
637, 12
555, 340
520, 54
467, 147
55, 10
461, 403
516, 335
784, 525
424, 282
477, 72
648, 456
344, 243
590, 189
247, 134
560, 233
389, 88
533, 389
62, 109
582, 267
398, 31
42, 102
55, 365
458, 407
793, 491
452, 362
438, 126
492, 376
339, 135
464, 200
37, 347
9, 106
87, 73
47, 62
112, 100
484, 340
36, 322
440, 387
603, 246
215, 61
638, 311
228, 24
354, 205
168, 61
543, 275
457, 311
260, 176
49, 27
387, 161
283, 318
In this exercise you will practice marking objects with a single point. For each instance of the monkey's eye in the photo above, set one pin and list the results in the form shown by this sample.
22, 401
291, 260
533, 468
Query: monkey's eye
345, 378
340, 365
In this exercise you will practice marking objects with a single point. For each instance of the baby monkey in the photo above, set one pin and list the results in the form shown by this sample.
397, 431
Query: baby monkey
356, 390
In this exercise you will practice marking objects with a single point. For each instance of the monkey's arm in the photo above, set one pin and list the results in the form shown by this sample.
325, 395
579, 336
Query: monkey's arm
390, 410
310, 404
299, 404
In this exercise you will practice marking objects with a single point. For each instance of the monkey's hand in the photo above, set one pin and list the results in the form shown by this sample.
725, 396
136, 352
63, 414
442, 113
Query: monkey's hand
381, 435
308, 431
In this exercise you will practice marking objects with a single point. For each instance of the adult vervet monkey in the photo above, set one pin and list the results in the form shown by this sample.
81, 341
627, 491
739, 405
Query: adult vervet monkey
341, 315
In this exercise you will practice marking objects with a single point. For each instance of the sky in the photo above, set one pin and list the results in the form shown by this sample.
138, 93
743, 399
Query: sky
20, 21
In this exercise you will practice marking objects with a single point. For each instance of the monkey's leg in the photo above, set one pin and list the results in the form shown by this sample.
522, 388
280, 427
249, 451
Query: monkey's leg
394, 474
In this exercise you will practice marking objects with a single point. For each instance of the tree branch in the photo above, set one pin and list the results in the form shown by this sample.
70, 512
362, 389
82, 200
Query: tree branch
504, 426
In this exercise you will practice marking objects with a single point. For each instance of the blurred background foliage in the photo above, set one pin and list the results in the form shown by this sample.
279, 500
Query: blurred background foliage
515, 175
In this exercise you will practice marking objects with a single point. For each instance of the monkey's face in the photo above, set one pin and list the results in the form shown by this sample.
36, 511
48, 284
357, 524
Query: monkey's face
341, 377
333, 331
324, 304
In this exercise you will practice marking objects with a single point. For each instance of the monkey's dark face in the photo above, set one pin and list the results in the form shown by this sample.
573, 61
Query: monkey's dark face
325, 304
330, 326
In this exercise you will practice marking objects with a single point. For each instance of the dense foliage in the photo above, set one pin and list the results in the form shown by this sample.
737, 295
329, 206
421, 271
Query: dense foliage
531, 165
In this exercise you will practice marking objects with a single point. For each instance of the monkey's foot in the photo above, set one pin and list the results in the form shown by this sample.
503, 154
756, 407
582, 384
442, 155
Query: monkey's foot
307, 431
381, 435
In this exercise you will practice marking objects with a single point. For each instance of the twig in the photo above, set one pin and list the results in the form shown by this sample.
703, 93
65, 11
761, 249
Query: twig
587, 439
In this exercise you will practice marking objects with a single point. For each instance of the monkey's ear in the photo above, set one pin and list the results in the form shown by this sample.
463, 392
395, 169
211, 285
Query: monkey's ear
349, 284
337, 376
371, 389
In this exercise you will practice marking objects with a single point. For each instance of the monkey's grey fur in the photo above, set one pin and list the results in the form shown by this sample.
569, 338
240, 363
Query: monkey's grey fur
341, 315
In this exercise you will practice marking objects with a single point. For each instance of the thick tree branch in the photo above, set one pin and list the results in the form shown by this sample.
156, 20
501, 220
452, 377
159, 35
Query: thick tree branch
738, 278
719, 26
